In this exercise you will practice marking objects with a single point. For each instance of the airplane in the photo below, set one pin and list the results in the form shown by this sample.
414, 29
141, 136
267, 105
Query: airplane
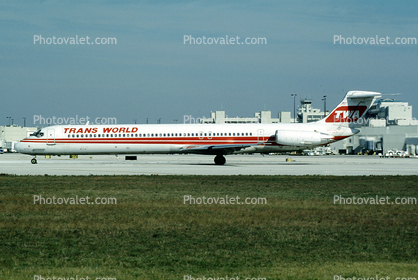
209, 139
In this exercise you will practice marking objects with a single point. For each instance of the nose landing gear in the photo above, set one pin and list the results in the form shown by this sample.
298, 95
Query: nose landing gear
34, 161
220, 160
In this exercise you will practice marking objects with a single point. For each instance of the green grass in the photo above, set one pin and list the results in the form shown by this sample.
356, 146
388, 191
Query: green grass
151, 234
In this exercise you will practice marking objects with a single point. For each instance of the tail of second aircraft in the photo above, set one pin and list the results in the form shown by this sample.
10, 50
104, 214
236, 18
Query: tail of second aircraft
354, 105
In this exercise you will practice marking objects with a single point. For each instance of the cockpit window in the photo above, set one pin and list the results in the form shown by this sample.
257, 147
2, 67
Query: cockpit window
37, 133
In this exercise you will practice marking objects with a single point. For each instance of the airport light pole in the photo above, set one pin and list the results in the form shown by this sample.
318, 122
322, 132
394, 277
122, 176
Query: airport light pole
325, 105
294, 106
9, 119
24, 121
134, 121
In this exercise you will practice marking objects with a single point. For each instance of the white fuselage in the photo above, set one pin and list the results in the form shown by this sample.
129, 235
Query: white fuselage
176, 138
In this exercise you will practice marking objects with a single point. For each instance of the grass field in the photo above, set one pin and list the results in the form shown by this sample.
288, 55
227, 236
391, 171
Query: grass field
151, 234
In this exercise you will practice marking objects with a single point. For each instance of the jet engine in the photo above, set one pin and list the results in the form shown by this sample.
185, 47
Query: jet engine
301, 138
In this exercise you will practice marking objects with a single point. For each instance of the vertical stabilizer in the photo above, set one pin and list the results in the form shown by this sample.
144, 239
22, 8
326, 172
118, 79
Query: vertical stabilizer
354, 105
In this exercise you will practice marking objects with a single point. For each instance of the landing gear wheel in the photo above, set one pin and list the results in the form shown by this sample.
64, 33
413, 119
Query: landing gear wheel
34, 161
220, 160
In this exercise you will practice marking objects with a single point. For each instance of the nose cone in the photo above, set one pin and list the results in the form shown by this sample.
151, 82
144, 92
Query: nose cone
18, 147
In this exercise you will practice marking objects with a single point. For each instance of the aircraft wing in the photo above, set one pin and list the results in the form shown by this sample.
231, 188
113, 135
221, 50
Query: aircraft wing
215, 149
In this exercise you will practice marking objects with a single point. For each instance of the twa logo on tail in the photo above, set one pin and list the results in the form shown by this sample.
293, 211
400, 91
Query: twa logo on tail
346, 114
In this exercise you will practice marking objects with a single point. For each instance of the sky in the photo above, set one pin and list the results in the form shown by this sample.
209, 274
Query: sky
150, 72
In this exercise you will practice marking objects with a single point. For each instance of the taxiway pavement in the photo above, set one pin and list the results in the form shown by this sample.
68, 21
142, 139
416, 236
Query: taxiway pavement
203, 165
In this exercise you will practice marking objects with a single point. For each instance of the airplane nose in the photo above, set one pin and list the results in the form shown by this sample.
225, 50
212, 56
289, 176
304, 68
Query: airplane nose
18, 146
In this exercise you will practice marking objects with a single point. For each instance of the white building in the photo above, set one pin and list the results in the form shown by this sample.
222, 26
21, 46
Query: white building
306, 113
388, 125
11, 134
259, 117
393, 112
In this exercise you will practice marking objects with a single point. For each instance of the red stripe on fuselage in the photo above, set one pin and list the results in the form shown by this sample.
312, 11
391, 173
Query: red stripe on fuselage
154, 140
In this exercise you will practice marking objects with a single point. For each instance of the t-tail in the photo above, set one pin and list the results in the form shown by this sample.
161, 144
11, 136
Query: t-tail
354, 106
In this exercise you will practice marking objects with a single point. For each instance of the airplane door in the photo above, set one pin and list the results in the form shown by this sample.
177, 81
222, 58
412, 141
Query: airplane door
50, 137
260, 135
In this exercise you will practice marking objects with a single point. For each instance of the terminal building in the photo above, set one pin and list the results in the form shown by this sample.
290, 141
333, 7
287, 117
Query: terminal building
11, 134
259, 117
388, 125
305, 113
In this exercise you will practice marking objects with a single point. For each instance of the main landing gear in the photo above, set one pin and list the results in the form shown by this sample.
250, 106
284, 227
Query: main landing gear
220, 160
34, 161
